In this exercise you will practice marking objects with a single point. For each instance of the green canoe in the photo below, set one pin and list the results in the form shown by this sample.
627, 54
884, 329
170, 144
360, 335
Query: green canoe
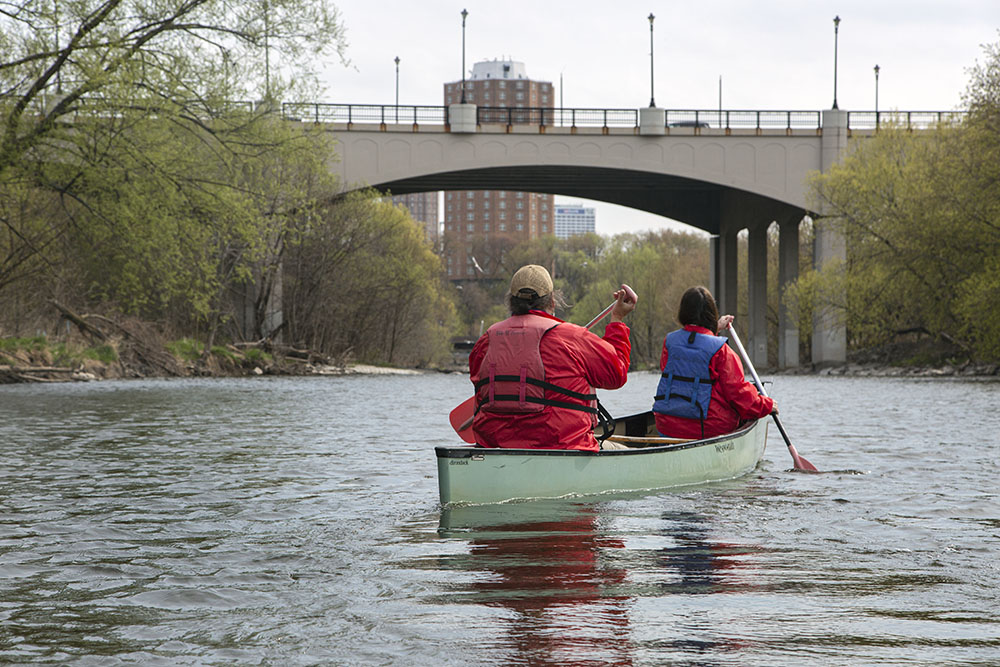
469, 474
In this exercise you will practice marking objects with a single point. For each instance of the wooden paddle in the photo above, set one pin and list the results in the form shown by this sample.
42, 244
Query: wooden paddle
461, 416
798, 462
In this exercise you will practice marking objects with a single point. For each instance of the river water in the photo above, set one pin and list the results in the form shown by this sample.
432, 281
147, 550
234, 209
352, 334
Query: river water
294, 521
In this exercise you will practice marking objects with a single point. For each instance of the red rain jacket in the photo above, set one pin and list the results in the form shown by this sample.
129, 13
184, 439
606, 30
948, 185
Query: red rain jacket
574, 359
733, 398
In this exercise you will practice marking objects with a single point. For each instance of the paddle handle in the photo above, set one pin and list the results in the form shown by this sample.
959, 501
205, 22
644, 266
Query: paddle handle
746, 360
629, 294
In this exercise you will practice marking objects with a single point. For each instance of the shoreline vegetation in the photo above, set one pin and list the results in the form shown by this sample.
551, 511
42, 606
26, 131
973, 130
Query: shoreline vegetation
98, 348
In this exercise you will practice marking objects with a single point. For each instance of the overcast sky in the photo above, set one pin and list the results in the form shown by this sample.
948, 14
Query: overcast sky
771, 54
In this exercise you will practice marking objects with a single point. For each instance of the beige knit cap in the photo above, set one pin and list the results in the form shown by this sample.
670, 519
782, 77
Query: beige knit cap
531, 278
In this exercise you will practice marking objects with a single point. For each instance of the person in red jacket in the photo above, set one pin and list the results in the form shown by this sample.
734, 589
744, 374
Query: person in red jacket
703, 391
535, 375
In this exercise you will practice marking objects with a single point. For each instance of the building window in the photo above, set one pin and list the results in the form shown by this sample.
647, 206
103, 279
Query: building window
503, 216
503, 84
520, 216
545, 228
503, 204
519, 97
486, 204
520, 204
520, 227
486, 226
470, 194
470, 216
503, 226
470, 205
449, 195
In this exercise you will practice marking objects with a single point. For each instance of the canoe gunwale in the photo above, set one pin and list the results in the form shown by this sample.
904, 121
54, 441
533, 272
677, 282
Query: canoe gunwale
468, 451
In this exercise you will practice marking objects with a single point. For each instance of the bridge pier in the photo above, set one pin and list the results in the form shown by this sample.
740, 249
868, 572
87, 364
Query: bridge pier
829, 341
722, 276
788, 272
757, 295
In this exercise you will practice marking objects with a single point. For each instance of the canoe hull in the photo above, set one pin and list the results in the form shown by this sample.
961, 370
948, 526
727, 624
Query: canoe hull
480, 475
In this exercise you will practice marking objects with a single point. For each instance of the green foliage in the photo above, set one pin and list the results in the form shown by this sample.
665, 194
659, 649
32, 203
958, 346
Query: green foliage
185, 349
921, 216
223, 352
255, 355
31, 343
361, 279
102, 353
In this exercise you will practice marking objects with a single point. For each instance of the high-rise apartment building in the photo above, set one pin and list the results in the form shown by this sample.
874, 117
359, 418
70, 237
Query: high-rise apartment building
423, 207
479, 225
574, 219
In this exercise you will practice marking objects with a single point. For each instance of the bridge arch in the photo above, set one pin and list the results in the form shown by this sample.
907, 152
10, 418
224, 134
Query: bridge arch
717, 180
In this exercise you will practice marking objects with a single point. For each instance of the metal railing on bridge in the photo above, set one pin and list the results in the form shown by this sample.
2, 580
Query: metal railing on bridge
384, 114
416, 115
910, 120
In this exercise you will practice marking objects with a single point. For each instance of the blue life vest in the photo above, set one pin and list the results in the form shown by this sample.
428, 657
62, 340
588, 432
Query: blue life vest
685, 387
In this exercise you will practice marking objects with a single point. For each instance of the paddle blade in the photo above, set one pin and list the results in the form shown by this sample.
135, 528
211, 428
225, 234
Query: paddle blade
461, 419
800, 463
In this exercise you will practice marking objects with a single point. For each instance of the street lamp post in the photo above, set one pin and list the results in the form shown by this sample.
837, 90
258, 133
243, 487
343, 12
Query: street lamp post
397, 89
464, 14
836, 31
652, 102
877, 68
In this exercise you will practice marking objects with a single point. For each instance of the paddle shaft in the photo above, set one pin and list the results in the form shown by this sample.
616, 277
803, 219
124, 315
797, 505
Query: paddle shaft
799, 462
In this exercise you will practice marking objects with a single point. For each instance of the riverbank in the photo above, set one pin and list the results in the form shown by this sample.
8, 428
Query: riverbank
40, 360
142, 354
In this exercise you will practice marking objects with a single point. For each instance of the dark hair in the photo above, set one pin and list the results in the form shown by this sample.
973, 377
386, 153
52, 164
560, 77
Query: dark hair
698, 308
549, 302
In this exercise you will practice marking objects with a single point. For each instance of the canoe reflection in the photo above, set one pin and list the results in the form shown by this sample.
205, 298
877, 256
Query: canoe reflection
545, 566
570, 579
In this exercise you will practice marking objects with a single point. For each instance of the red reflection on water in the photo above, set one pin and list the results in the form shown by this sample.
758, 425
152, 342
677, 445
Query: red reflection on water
550, 575
566, 585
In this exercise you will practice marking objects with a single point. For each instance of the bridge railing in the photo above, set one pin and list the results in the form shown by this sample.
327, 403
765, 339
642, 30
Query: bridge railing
745, 120
549, 117
386, 114
318, 112
911, 120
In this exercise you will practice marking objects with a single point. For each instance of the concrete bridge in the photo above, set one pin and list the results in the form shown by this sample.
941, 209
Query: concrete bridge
719, 171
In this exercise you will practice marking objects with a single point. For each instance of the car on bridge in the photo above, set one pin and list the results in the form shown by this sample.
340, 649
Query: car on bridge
688, 123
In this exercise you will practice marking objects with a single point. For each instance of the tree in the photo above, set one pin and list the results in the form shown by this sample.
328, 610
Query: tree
64, 62
921, 216
362, 280
166, 191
